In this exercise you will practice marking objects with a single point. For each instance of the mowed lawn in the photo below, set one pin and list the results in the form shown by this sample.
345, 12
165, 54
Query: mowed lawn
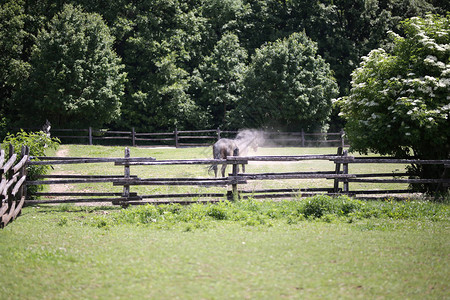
49, 253
68, 252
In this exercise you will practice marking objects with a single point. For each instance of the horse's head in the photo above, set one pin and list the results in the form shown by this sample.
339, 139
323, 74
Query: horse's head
249, 138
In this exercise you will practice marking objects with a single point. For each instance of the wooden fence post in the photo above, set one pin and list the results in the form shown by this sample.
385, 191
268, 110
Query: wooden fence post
218, 133
337, 171
235, 193
303, 138
11, 152
9, 176
90, 135
22, 171
22, 193
25, 189
133, 136
126, 188
442, 178
176, 137
345, 170
342, 138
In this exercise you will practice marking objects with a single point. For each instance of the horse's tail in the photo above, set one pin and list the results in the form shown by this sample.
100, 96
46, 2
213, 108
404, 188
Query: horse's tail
211, 168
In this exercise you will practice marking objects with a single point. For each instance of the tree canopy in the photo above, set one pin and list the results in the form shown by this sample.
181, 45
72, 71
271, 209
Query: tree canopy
288, 86
220, 79
168, 49
12, 67
76, 78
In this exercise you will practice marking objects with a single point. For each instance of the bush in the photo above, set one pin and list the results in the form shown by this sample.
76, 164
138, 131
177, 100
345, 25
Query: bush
218, 212
399, 104
322, 205
37, 142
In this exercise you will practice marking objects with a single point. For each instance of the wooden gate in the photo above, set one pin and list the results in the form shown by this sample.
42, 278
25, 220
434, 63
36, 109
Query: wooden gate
12, 188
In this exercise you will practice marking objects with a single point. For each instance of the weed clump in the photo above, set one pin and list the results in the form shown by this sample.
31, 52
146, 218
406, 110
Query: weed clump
323, 205
250, 212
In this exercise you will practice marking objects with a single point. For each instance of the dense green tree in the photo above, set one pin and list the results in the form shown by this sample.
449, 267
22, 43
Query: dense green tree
346, 30
76, 79
288, 86
12, 66
160, 55
163, 42
220, 78
399, 102
223, 16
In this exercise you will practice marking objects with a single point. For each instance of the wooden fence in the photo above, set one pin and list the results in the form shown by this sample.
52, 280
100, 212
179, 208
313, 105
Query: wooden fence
192, 138
12, 187
233, 185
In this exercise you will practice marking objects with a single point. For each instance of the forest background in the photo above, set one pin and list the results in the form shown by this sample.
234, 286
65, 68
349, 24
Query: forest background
161, 64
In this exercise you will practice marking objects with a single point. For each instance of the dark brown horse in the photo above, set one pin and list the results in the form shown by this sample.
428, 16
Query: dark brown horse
225, 147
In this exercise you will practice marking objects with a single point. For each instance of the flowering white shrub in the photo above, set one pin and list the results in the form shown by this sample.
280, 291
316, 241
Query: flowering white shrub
399, 103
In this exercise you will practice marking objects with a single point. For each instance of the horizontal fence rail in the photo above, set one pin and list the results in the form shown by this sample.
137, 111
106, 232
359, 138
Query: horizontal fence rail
233, 185
191, 138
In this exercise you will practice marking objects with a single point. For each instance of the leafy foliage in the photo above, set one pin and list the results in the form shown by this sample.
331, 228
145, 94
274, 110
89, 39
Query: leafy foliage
76, 78
12, 67
399, 99
400, 96
288, 86
168, 36
37, 142
220, 78
322, 205
167, 47
3, 128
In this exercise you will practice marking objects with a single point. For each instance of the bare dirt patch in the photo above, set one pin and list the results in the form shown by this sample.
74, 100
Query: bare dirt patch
63, 151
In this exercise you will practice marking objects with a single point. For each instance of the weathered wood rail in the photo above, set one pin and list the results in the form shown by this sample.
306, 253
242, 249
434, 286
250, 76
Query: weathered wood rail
192, 138
340, 176
12, 188
176, 138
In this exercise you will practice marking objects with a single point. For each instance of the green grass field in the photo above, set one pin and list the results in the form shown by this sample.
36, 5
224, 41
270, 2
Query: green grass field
69, 253
313, 248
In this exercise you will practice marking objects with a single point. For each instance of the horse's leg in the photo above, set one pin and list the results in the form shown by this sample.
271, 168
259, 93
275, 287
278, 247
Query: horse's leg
215, 170
224, 167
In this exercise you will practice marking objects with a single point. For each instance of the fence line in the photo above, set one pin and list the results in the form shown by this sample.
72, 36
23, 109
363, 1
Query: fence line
341, 176
12, 187
188, 138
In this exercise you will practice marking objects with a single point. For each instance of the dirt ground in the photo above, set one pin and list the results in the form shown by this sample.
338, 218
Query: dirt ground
63, 151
